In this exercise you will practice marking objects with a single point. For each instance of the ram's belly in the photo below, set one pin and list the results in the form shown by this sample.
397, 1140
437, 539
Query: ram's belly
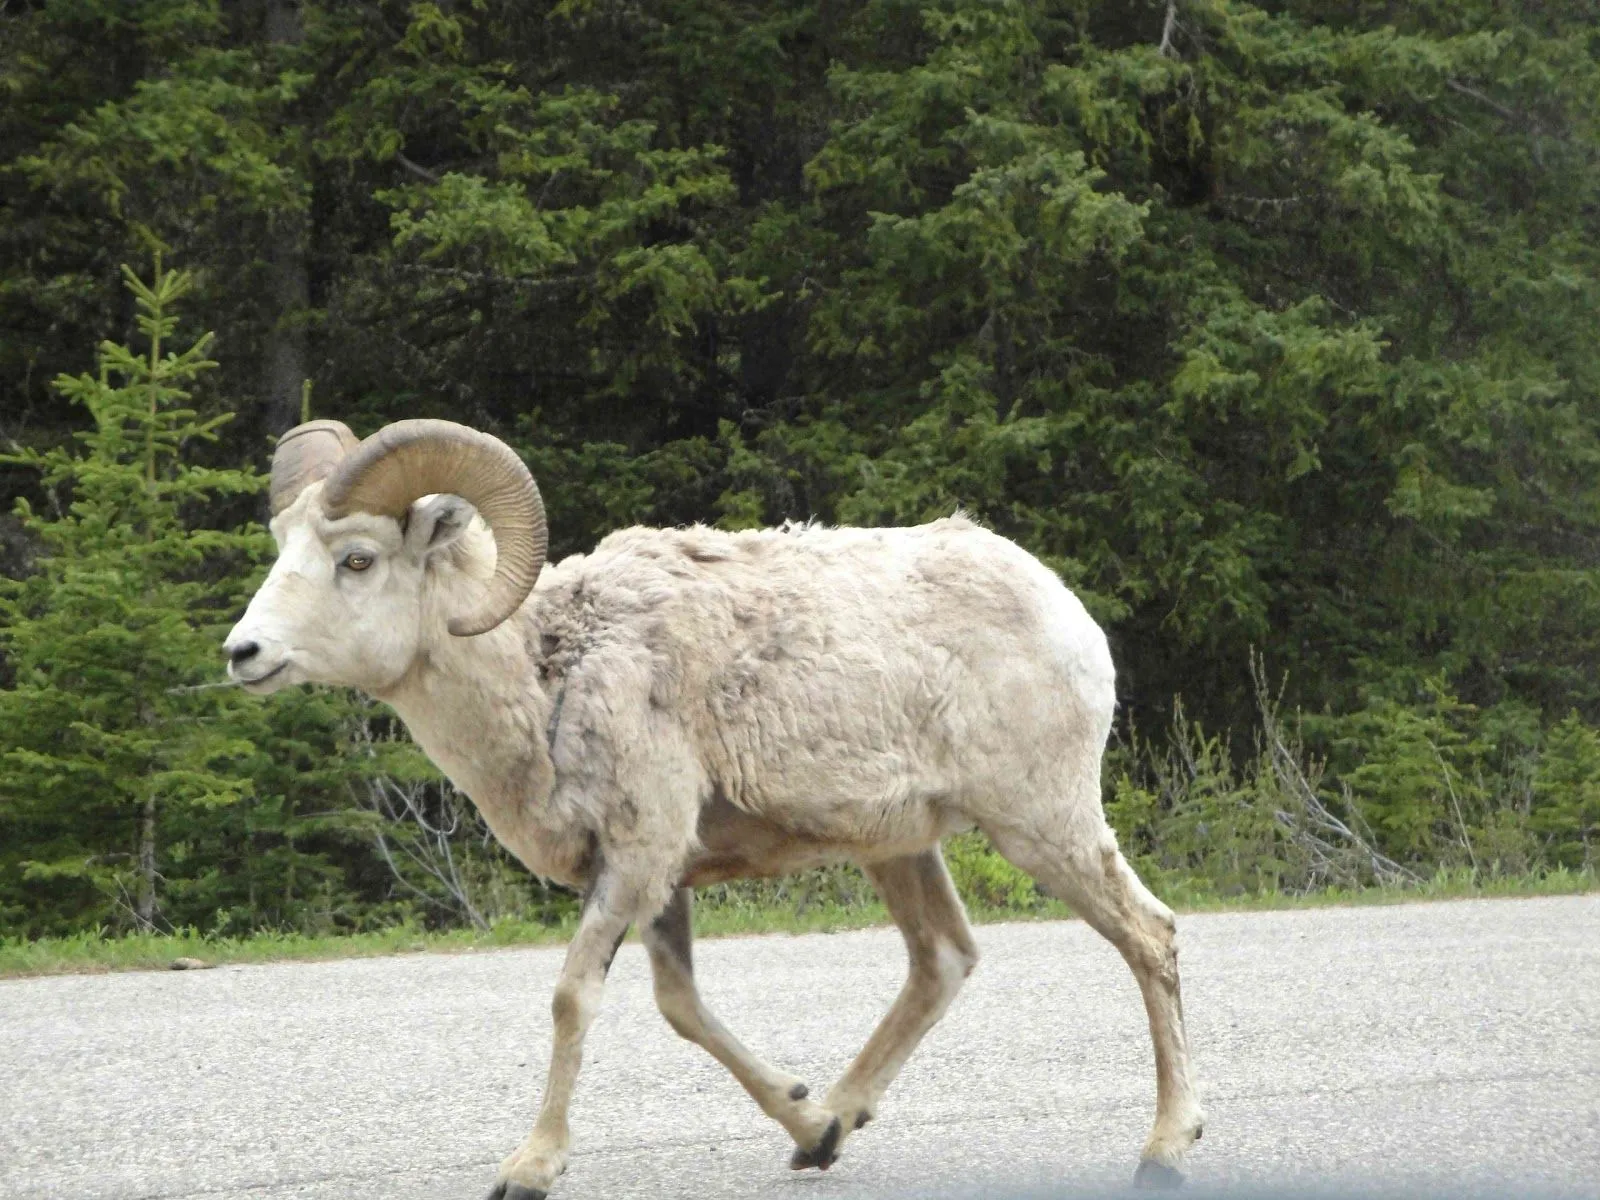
780, 839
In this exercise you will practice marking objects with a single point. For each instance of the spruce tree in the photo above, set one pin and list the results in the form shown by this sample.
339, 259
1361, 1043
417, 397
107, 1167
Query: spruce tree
110, 741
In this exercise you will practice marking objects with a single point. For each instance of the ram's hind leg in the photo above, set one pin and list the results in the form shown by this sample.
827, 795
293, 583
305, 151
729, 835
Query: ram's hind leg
920, 897
1090, 874
783, 1097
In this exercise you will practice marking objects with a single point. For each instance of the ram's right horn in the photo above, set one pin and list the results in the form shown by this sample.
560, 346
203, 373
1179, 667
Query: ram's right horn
304, 455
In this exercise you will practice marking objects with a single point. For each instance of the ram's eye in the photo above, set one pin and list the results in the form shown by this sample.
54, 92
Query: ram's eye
358, 562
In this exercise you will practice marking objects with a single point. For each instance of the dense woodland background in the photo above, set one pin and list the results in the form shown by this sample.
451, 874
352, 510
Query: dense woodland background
1274, 328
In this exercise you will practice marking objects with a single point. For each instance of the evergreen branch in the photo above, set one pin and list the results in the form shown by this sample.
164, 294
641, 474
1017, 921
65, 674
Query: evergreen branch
491, 278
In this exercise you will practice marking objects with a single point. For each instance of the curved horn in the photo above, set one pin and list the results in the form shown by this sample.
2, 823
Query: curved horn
408, 459
304, 455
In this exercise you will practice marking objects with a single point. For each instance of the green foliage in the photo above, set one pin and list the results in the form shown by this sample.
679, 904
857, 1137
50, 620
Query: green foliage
1273, 329
134, 791
1409, 780
986, 880
105, 740
1410, 791
1566, 794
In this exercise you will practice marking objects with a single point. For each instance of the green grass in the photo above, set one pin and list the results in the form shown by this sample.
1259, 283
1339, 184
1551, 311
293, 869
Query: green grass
90, 953
1446, 884
86, 953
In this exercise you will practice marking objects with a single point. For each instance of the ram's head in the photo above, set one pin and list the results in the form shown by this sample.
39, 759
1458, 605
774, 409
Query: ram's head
378, 552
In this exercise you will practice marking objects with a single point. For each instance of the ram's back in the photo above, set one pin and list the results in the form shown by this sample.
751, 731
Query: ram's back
845, 685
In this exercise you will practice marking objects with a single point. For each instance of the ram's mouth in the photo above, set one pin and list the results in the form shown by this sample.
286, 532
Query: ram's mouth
251, 684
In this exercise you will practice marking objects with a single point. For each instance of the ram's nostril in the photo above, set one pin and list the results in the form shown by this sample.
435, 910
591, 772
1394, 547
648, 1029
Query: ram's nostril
243, 652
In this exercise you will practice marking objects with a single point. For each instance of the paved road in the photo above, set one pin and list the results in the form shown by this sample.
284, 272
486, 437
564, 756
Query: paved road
1426, 1044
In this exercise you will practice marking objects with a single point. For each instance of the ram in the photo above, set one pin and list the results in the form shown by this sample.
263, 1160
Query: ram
683, 706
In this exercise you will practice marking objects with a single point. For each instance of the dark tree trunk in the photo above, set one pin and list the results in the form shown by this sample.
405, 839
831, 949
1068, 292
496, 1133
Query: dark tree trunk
287, 360
145, 901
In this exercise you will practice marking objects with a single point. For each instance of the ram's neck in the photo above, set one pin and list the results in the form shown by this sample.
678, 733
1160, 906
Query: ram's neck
472, 703
467, 703
476, 708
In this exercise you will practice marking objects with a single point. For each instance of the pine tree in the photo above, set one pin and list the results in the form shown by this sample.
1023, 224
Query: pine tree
1567, 794
110, 740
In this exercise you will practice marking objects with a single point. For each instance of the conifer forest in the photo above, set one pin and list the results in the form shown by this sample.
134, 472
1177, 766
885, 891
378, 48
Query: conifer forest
1273, 327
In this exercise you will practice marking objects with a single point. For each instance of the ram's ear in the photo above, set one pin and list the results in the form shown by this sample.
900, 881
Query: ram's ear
435, 522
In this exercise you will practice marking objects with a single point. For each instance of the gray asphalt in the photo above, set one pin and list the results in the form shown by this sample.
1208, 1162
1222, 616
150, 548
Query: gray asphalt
1422, 1047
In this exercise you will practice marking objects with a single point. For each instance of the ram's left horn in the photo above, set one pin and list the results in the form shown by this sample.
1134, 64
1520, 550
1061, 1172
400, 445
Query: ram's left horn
409, 459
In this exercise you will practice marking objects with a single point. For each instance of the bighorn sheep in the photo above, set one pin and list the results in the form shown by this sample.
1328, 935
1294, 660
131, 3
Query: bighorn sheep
687, 705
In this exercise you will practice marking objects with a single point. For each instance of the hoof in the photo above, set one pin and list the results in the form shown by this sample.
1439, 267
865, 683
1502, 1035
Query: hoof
514, 1191
1153, 1175
821, 1156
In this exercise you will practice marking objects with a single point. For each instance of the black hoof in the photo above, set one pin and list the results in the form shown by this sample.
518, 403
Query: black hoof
799, 1092
1156, 1176
821, 1156
514, 1191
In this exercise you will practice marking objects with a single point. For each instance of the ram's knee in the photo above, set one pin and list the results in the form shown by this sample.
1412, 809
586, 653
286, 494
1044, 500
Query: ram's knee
1153, 945
574, 1004
682, 1013
944, 964
958, 959
1162, 921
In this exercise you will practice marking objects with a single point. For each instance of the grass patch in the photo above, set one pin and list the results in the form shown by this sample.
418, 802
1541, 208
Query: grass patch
93, 953
721, 915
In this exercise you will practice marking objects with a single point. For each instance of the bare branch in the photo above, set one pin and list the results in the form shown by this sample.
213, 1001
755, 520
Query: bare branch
1310, 824
1168, 28
1510, 114
417, 169
1455, 803
203, 687
544, 192
420, 824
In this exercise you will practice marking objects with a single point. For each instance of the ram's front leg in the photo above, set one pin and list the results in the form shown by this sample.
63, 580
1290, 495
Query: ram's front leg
534, 1167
